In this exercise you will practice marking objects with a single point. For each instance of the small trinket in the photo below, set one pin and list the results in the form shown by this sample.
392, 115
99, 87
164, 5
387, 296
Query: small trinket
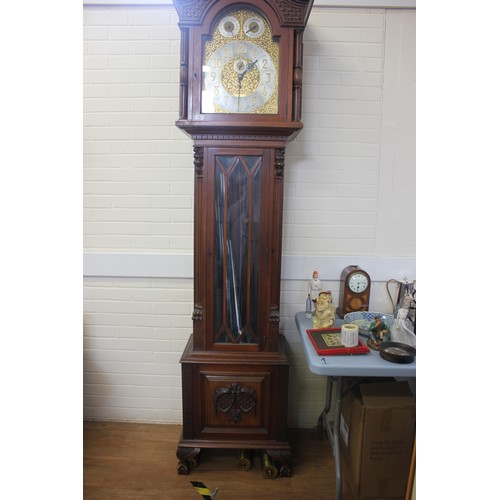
309, 307
324, 314
378, 331
315, 287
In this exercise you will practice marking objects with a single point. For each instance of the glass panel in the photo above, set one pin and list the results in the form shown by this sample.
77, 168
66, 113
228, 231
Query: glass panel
254, 268
220, 196
237, 248
237, 213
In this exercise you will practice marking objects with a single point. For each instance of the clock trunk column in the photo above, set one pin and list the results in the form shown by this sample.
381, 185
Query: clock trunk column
240, 92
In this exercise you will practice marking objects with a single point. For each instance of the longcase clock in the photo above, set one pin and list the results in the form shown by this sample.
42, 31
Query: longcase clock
240, 102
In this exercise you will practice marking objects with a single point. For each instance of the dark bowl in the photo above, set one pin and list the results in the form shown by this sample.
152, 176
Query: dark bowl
395, 352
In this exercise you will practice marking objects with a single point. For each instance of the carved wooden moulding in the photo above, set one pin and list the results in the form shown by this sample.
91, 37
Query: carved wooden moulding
290, 12
235, 400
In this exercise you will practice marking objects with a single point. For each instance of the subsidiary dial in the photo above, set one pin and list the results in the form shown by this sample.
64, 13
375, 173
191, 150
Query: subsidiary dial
229, 27
253, 27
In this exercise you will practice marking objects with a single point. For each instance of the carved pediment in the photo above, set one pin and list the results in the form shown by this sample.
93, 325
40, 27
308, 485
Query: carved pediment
290, 12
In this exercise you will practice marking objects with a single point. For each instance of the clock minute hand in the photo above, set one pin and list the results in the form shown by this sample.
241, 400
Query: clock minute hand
251, 65
247, 69
240, 78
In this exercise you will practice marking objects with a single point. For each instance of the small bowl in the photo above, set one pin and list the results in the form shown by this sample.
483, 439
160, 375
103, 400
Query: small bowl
397, 352
365, 318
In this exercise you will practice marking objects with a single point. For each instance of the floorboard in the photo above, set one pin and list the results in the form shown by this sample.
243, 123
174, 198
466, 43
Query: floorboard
138, 461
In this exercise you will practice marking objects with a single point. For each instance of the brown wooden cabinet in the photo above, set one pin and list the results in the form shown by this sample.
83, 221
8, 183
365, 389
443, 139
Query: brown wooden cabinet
241, 84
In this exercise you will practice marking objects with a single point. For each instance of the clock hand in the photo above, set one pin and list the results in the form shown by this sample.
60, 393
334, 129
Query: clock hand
240, 78
247, 69
251, 65
239, 91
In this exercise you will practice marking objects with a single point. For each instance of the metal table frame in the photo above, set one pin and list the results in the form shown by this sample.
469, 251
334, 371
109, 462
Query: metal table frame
336, 369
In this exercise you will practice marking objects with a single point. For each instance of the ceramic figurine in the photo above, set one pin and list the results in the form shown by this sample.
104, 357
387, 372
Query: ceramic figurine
324, 315
309, 307
401, 330
378, 331
315, 287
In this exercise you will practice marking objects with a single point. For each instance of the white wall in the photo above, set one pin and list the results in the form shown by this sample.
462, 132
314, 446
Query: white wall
349, 194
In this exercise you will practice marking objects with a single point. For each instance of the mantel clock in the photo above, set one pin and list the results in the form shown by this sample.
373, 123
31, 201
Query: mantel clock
355, 285
240, 102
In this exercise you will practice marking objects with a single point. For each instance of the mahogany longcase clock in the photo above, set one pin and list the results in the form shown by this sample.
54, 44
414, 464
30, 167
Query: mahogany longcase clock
240, 102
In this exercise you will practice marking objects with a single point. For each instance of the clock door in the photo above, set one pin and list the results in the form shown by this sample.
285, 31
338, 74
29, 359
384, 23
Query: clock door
237, 230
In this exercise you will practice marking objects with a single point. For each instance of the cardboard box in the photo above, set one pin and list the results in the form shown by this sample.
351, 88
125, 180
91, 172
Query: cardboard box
377, 429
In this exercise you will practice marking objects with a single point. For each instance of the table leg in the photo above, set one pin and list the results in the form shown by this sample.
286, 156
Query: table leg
334, 434
326, 409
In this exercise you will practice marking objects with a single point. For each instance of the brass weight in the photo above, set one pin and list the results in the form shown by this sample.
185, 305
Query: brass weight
244, 461
269, 470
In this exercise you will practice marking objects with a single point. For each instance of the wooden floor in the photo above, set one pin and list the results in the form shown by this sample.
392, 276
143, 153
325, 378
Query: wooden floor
138, 461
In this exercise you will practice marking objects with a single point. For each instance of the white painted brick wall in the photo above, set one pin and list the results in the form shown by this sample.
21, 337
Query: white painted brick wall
349, 189
137, 166
134, 332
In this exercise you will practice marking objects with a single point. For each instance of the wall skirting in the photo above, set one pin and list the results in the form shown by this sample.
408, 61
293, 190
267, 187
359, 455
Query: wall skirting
294, 267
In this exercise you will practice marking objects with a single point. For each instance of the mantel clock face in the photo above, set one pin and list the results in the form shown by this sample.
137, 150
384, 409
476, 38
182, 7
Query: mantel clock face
241, 65
358, 282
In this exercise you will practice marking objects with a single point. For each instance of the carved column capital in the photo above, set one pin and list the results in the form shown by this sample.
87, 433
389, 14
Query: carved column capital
198, 161
279, 162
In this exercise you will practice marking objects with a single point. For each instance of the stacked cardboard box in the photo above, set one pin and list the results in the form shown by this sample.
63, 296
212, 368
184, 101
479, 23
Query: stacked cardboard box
377, 437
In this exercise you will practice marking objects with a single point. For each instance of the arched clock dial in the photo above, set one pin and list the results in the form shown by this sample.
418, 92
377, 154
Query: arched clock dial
240, 68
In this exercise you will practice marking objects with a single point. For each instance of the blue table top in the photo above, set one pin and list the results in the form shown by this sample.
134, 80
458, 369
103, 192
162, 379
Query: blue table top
358, 365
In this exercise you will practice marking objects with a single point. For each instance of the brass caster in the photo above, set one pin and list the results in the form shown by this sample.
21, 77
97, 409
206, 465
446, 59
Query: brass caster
244, 461
269, 470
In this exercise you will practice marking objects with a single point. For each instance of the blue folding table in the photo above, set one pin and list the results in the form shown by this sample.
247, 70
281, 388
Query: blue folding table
335, 368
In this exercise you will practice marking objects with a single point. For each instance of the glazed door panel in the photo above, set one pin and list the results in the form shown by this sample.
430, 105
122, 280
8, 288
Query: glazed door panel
238, 185
237, 230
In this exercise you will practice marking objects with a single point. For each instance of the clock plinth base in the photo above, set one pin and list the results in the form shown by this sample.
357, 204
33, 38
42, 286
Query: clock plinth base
235, 402
281, 457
